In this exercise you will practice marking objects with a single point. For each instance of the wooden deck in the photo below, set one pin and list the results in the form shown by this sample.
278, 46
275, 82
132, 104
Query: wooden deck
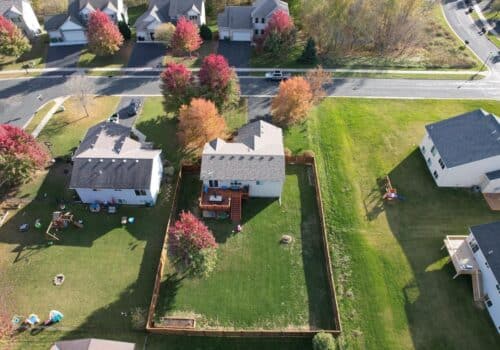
464, 262
230, 201
493, 200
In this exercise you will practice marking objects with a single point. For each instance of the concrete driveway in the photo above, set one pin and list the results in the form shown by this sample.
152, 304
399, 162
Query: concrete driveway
259, 108
237, 53
63, 56
122, 111
146, 55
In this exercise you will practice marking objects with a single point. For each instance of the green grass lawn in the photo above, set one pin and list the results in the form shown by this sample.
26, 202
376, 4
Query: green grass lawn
35, 57
257, 282
39, 115
118, 60
66, 128
394, 287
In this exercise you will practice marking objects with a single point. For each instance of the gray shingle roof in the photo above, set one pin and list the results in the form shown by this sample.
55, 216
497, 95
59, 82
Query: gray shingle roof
98, 4
466, 138
5, 5
488, 239
108, 158
235, 17
54, 22
181, 7
257, 153
264, 8
156, 8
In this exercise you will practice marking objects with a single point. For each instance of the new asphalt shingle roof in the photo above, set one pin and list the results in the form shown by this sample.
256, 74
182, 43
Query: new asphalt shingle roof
108, 158
257, 153
6, 5
488, 239
98, 4
466, 138
166, 10
235, 17
264, 8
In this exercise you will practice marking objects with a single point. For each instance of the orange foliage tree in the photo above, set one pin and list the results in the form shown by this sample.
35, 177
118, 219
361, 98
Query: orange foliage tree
199, 122
293, 102
318, 78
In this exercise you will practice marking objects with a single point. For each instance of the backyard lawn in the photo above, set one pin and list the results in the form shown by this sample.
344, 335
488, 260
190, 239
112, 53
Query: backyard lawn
258, 283
394, 285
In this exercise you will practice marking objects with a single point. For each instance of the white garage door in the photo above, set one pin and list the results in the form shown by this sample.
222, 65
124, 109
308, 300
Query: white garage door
242, 36
74, 35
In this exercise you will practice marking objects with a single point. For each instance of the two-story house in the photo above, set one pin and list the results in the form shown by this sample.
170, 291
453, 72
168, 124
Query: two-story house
163, 11
22, 15
464, 151
244, 23
71, 28
478, 255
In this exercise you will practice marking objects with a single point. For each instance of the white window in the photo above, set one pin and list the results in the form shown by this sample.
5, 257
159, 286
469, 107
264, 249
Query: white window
435, 173
263, 20
256, 20
433, 150
258, 183
488, 301
423, 149
193, 18
441, 163
140, 192
429, 161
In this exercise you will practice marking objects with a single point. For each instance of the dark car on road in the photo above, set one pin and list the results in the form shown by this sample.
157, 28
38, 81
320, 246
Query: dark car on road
134, 107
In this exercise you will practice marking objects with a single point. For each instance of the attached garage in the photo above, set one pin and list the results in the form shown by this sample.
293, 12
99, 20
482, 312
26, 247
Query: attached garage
74, 35
224, 34
242, 35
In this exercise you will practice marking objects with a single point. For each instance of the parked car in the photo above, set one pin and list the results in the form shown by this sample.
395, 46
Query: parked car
278, 75
115, 118
133, 108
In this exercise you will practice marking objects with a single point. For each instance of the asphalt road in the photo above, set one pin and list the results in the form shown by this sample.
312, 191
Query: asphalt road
18, 97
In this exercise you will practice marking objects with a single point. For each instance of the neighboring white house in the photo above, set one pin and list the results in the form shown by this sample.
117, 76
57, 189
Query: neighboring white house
478, 255
243, 23
163, 11
70, 28
464, 151
109, 166
92, 344
22, 15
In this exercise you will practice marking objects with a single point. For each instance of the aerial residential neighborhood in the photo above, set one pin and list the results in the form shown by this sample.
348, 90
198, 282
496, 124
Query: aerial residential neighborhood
249, 174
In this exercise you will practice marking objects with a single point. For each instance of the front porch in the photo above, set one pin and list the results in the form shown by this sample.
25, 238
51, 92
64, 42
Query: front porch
220, 203
464, 262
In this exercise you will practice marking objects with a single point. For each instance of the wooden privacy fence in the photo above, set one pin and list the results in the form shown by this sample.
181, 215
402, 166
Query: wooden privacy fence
307, 160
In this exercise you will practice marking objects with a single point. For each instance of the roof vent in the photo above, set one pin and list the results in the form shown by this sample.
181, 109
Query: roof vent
251, 158
137, 160
101, 160
113, 160
241, 158
124, 160
90, 160
221, 157
271, 158
100, 172
490, 252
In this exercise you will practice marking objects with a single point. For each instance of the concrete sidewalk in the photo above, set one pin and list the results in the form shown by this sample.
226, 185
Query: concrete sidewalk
58, 103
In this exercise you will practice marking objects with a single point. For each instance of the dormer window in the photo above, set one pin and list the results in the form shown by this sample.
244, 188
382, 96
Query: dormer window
193, 18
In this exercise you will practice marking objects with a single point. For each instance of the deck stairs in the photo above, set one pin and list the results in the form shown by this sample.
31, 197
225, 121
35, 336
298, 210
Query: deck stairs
236, 206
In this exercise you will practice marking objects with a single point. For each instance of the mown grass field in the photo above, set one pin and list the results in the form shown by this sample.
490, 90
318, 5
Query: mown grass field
258, 283
394, 285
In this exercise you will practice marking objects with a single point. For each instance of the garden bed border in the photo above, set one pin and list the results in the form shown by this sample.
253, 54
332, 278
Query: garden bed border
307, 160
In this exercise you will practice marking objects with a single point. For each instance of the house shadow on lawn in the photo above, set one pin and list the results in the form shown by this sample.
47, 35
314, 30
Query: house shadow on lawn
440, 310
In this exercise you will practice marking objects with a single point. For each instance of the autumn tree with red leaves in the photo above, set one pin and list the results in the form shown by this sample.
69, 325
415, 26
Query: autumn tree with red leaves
199, 123
177, 86
218, 81
279, 36
293, 102
192, 245
20, 156
104, 36
13, 43
186, 38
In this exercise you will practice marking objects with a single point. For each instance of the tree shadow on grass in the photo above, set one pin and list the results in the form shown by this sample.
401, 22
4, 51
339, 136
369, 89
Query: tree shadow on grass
440, 310
169, 286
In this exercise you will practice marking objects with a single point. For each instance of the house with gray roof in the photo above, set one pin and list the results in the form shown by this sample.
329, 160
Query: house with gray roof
22, 15
251, 165
244, 23
478, 255
110, 166
464, 151
71, 28
164, 11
